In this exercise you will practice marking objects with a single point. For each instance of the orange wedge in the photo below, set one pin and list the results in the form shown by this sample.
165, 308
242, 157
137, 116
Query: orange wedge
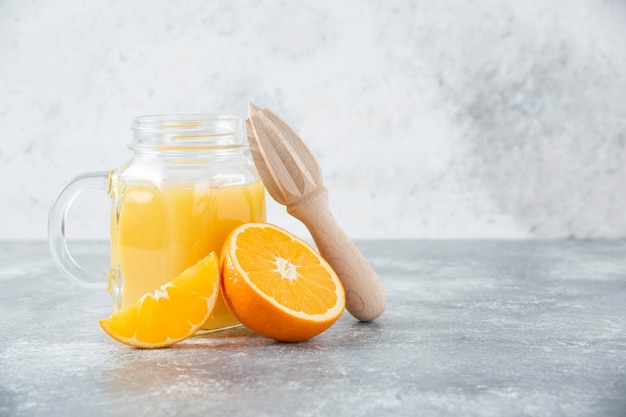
277, 285
173, 312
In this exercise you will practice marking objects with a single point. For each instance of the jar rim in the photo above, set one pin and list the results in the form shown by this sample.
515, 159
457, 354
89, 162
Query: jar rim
188, 130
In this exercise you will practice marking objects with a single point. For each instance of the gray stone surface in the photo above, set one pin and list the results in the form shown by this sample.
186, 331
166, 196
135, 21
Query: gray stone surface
473, 328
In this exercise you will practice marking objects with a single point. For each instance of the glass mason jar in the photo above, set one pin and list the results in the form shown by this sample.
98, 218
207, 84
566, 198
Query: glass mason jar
188, 184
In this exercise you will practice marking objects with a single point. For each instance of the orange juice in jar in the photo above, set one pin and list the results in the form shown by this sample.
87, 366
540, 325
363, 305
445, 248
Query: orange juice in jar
187, 185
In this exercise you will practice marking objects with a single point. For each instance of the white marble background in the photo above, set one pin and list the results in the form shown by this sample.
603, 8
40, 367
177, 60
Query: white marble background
430, 119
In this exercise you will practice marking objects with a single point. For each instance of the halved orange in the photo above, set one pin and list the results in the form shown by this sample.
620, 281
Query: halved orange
173, 312
278, 285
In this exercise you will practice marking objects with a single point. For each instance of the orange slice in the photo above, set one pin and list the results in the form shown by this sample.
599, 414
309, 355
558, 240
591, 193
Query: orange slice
173, 312
277, 285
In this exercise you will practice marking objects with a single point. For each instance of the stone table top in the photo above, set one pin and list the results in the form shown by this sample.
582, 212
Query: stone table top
473, 328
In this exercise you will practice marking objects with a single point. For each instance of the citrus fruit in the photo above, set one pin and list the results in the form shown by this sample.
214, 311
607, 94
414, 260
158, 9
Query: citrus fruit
278, 285
173, 312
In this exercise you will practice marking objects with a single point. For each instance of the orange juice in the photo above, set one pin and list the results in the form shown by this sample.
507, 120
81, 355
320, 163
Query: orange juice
157, 232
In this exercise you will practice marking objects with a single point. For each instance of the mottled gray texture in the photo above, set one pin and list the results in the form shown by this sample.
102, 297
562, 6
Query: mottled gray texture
473, 328
430, 119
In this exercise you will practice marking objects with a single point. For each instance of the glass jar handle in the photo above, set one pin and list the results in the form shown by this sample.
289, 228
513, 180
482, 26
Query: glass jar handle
56, 228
